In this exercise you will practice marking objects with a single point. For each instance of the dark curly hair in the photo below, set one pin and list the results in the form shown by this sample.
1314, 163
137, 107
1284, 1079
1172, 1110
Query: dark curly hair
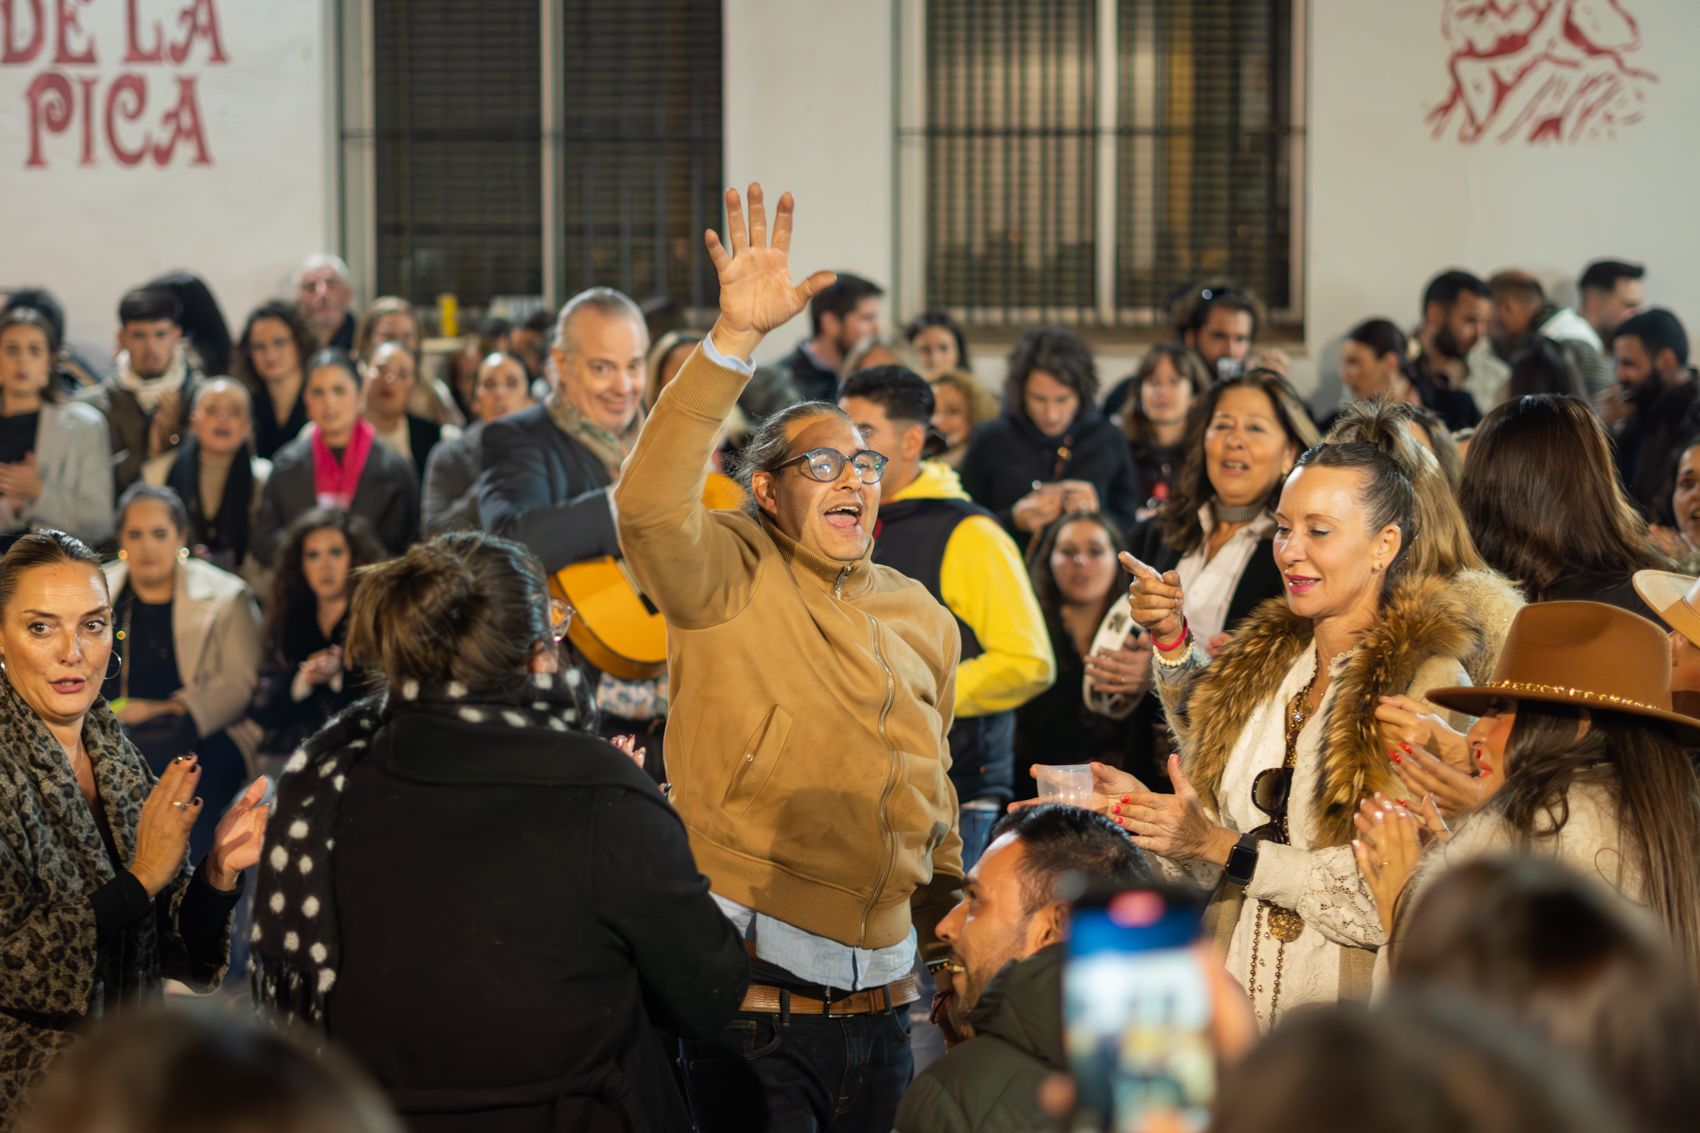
293, 604
242, 359
1058, 352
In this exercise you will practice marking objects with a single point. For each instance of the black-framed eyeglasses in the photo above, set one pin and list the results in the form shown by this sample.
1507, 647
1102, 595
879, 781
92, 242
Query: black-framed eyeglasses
1270, 793
827, 465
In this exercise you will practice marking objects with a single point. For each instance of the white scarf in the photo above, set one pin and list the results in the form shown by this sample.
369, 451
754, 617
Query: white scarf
149, 391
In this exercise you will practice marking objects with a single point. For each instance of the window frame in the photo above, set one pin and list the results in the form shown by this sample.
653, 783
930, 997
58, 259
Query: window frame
354, 179
1107, 322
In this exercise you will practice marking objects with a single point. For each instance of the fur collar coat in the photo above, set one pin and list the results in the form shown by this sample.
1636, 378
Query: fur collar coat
1423, 621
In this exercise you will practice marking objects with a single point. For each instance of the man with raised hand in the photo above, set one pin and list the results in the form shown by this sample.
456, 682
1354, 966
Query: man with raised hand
806, 744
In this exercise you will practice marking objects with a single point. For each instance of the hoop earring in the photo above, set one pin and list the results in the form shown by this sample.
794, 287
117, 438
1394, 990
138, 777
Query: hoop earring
182, 554
110, 671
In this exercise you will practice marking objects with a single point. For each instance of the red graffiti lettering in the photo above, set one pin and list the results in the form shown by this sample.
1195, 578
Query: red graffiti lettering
133, 52
200, 20
184, 122
136, 86
49, 98
11, 51
68, 24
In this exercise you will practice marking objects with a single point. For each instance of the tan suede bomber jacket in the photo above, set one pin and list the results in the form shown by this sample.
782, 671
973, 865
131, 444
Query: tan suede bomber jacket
810, 699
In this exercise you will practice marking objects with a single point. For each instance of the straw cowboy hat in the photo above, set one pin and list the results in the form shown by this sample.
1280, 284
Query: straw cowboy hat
1674, 597
1582, 653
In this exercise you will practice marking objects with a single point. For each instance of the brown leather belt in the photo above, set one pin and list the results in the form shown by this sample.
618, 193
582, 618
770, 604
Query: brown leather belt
761, 999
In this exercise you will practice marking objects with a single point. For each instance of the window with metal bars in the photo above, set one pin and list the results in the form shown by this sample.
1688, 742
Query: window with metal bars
1086, 161
640, 148
457, 117
464, 130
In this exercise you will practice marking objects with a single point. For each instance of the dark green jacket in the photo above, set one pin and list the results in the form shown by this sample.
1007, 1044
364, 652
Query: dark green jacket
990, 1084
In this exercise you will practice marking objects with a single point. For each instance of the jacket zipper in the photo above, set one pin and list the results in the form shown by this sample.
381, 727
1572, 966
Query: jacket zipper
843, 576
890, 782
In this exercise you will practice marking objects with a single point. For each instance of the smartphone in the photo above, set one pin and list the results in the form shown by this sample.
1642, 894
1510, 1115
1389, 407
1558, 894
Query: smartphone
1136, 1010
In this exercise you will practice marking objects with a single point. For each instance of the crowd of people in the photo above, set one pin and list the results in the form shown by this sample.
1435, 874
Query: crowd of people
1401, 690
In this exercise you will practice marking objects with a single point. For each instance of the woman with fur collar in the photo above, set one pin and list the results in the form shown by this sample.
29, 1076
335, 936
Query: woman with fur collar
1279, 736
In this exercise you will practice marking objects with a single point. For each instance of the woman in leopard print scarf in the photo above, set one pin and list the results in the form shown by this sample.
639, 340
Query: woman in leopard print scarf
98, 905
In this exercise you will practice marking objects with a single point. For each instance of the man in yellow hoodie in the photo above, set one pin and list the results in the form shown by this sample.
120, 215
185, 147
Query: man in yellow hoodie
806, 740
931, 531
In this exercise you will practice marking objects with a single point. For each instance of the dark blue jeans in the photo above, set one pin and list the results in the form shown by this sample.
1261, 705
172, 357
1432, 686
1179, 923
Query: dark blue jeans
802, 1074
975, 827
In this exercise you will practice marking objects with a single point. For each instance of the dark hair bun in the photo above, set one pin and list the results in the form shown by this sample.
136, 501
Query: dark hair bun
465, 607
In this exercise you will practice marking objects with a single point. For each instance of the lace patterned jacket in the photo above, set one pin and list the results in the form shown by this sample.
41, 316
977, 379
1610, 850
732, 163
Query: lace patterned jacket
1229, 717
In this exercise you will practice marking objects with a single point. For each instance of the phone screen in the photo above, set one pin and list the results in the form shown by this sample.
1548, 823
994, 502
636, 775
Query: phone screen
1136, 1011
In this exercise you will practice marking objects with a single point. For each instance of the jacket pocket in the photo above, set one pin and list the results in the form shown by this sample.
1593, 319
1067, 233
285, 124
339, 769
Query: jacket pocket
760, 756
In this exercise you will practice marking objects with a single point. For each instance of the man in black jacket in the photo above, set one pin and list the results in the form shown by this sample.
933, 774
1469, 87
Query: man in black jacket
549, 471
840, 317
1006, 963
1651, 349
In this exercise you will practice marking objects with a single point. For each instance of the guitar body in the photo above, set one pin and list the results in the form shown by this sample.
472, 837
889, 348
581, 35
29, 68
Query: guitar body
614, 626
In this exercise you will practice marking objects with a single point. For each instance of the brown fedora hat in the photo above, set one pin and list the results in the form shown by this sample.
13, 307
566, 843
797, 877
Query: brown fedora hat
1583, 653
1674, 597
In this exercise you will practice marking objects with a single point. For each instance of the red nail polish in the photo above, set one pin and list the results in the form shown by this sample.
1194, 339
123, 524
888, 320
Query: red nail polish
1403, 803
1395, 757
1119, 822
1115, 810
1127, 798
1404, 747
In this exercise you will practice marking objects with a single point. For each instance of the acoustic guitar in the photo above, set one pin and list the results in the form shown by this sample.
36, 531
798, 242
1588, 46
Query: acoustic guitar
614, 624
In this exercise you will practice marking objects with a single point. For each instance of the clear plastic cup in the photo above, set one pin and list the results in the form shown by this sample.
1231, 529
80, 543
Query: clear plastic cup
1069, 783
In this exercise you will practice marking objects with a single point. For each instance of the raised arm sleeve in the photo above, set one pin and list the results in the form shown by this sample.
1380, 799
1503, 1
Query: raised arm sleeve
698, 569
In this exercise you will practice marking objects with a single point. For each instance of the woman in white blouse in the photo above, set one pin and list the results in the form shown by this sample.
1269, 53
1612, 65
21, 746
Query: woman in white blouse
1279, 740
1215, 530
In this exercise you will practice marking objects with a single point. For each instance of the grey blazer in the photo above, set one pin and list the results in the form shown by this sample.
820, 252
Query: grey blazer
215, 631
73, 453
451, 483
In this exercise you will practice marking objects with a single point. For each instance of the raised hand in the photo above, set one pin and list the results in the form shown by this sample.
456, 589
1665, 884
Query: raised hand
756, 292
162, 832
238, 838
1155, 599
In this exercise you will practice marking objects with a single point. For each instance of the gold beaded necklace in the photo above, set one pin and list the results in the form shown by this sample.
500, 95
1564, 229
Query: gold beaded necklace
1281, 924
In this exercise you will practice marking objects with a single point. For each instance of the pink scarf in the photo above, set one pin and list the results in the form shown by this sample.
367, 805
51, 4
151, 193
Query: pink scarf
334, 482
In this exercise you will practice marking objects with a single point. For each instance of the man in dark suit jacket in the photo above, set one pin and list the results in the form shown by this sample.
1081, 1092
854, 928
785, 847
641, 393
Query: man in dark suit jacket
548, 470
841, 316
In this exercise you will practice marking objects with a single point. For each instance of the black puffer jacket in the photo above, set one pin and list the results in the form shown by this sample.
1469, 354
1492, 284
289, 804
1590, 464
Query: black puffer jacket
1008, 454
